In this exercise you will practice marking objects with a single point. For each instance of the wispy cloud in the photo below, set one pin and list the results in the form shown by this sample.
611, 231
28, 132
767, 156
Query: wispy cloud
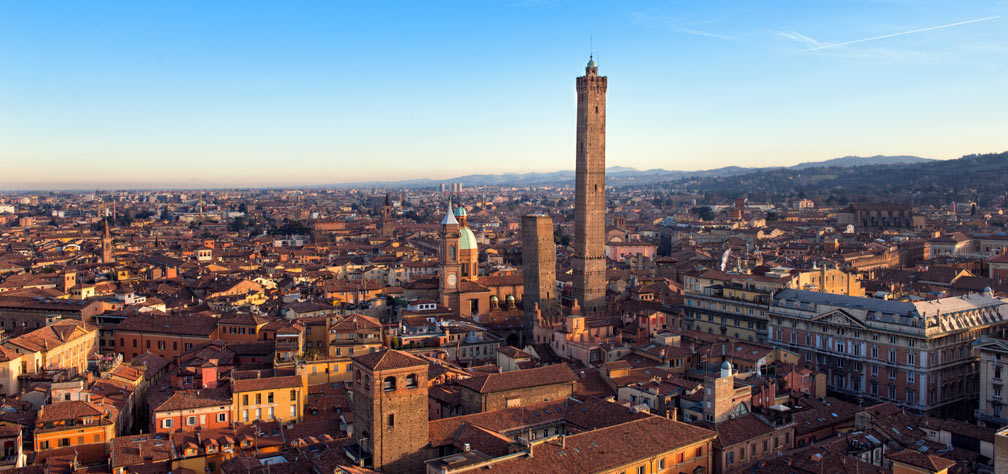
679, 26
795, 36
814, 45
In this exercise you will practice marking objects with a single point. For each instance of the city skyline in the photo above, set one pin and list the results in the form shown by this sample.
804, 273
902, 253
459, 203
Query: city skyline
185, 96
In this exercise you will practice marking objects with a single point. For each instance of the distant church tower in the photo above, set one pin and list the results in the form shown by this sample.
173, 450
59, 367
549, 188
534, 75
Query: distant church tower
387, 225
589, 263
449, 257
106, 245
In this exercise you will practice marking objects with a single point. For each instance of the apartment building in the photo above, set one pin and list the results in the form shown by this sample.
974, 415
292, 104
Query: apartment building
918, 355
732, 305
992, 355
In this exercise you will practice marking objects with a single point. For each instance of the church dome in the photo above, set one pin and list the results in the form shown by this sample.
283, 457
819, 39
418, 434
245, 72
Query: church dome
460, 212
591, 62
467, 240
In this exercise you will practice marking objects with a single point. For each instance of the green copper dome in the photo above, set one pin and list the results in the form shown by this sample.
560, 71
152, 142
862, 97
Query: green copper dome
467, 240
591, 62
460, 212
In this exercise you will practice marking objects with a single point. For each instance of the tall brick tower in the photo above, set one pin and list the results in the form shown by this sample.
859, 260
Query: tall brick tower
539, 270
387, 224
589, 263
106, 245
389, 406
450, 268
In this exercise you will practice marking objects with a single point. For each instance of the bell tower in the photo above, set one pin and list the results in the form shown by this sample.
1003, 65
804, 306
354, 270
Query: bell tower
106, 245
390, 408
589, 263
449, 257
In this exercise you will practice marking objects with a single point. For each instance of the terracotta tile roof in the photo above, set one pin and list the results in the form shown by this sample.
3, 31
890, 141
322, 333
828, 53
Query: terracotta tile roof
514, 352
389, 360
918, 459
133, 450
266, 383
188, 324
187, 399
607, 448
548, 375
69, 410
53, 335
354, 322
739, 430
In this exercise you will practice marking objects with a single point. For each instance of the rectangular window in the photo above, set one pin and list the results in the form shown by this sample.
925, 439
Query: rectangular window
245, 416
221, 417
258, 399
166, 423
271, 416
391, 420
293, 395
245, 399
293, 411
269, 397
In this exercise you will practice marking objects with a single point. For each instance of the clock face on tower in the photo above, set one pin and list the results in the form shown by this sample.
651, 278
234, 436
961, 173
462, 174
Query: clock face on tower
451, 281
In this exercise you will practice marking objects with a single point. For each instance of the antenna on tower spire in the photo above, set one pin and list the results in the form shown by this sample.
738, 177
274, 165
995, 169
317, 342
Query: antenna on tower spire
591, 47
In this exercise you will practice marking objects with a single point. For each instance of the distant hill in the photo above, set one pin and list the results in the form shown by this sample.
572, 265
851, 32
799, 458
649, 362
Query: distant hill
922, 182
627, 176
848, 161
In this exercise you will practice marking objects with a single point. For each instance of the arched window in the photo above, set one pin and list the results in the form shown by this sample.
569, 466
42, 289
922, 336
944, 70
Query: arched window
411, 381
388, 384
451, 251
357, 375
367, 382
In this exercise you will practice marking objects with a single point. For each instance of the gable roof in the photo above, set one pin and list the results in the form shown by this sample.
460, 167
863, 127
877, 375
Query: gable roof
498, 382
389, 360
925, 461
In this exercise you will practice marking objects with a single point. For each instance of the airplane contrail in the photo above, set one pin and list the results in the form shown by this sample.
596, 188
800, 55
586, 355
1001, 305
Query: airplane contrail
862, 40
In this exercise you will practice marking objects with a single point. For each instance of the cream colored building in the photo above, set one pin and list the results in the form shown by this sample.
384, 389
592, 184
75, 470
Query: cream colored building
63, 345
10, 369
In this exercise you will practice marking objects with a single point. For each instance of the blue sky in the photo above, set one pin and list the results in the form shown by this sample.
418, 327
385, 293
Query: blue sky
300, 93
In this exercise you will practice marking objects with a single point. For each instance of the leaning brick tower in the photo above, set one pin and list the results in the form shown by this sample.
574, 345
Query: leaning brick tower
589, 262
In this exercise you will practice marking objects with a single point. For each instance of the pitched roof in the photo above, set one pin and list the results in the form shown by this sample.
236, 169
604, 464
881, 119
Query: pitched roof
389, 360
498, 382
69, 410
607, 448
925, 461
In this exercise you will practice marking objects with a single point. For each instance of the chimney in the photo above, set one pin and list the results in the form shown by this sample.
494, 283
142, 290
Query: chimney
465, 447
563, 441
675, 413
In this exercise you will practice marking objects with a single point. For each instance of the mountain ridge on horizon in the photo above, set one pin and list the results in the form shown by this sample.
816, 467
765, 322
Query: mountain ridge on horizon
620, 175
